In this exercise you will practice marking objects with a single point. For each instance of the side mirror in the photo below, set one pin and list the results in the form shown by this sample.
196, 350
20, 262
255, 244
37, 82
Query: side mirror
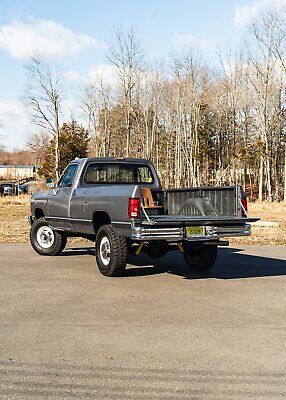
50, 183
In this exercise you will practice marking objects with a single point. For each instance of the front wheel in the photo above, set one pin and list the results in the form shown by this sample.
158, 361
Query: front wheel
45, 240
200, 258
110, 251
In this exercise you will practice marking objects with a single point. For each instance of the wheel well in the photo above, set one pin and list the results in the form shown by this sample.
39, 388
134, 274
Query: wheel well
39, 213
100, 218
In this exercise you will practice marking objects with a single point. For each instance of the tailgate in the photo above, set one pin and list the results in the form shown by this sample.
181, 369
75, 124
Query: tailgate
184, 220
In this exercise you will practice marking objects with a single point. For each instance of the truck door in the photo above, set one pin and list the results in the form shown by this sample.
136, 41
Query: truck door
59, 202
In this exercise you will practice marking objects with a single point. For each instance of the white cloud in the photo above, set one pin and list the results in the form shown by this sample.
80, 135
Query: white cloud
104, 73
15, 125
245, 14
71, 75
39, 36
71, 107
189, 40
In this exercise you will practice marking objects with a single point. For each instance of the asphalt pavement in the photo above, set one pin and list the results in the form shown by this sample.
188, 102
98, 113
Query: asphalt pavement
159, 332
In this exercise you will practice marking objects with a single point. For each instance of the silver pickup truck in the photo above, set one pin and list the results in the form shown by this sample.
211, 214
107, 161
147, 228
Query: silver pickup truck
120, 204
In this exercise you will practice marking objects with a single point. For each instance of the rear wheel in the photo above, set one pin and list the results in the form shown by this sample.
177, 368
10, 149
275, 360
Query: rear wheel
200, 258
111, 251
45, 240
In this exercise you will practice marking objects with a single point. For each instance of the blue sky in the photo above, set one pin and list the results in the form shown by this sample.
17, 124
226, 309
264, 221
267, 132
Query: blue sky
78, 34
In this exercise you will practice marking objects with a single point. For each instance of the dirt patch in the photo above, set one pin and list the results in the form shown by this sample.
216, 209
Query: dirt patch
14, 226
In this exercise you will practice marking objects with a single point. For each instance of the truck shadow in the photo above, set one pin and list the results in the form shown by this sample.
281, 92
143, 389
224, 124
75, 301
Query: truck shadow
231, 264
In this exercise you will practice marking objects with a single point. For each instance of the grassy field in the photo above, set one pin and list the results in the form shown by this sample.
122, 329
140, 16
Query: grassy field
271, 229
14, 226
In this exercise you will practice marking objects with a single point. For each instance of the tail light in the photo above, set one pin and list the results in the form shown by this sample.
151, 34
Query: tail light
244, 206
134, 208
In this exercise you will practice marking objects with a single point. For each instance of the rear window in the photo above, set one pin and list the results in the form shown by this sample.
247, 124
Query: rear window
118, 173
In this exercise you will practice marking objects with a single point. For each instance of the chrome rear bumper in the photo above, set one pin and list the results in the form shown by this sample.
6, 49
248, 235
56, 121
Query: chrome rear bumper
178, 234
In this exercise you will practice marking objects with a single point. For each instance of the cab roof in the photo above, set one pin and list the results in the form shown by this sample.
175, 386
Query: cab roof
113, 159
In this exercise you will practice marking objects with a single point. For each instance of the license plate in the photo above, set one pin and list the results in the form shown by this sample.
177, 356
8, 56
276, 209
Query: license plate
195, 231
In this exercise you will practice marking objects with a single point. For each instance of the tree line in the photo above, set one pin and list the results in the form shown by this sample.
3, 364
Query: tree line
199, 125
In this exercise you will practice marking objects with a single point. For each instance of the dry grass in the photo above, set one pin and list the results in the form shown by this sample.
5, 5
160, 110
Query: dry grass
276, 235
14, 226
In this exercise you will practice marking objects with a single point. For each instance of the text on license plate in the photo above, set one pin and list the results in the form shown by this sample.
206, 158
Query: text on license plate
195, 231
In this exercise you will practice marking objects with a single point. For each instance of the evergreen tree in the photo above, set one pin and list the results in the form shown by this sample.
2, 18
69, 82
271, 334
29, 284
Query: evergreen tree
73, 142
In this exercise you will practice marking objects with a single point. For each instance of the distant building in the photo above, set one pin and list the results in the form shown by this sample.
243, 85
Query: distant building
15, 172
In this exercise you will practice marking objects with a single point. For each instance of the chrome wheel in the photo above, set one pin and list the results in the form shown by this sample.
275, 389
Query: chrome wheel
45, 237
104, 250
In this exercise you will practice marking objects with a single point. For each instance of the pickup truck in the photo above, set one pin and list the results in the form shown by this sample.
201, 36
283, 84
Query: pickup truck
120, 205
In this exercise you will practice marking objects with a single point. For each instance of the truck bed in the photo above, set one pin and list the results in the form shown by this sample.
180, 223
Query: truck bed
202, 201
199, 206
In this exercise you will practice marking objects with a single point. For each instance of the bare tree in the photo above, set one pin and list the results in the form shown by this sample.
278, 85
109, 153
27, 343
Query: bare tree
126, 55
268, 87
44, 95
38, 143
199, 126
270, 33
1, 145
95, 106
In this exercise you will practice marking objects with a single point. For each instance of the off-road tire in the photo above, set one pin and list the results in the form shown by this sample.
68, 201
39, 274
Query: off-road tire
200, 258
58, 245
118, 252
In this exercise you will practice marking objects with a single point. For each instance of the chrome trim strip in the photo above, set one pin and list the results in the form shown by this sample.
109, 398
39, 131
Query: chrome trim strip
120, 222
170, 234
69, 219
134, 190
230, 230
